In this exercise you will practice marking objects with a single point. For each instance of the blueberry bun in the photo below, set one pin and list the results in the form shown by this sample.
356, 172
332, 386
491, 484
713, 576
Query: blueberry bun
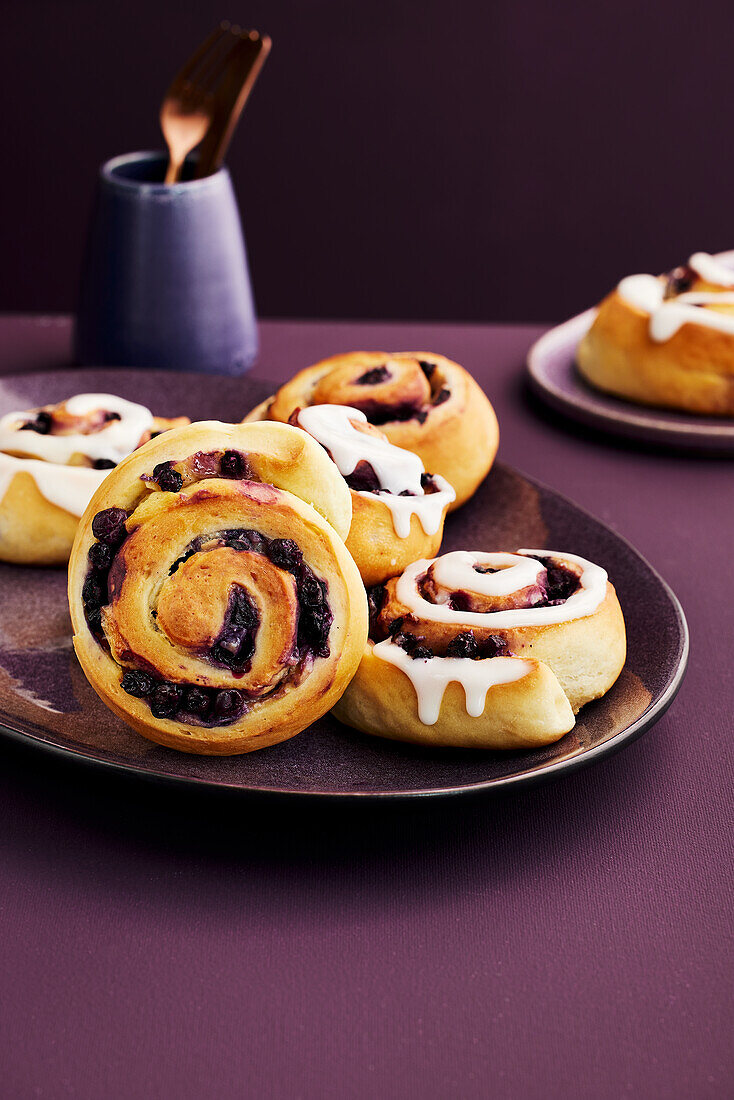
215, 607
667, 340
422, 402
52, 459
398, 510
495, 651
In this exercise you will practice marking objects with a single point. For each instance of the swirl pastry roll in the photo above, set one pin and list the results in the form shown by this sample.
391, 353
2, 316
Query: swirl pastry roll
421, 401
398, 510
215, 607
52, 459
493, 651
667, 340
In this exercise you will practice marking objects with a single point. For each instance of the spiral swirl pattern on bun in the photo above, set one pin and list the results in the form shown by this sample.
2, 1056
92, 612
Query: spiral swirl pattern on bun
500, 650
423, 402
214, 604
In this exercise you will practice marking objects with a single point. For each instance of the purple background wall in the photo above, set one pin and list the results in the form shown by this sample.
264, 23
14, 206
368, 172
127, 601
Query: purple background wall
472, 160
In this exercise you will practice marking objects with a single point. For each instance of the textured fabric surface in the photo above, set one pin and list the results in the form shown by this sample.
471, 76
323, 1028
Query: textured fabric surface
569, 941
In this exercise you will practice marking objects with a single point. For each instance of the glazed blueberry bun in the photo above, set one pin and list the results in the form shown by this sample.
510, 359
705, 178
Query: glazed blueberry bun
668, 340
422, 402
52, 460
398, 510
215, 606
495, 651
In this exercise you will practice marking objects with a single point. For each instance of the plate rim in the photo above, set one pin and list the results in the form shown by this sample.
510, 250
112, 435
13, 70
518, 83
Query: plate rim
520, 780
638, 422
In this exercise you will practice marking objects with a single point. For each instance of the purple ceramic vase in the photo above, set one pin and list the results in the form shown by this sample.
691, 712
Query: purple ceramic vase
165, 281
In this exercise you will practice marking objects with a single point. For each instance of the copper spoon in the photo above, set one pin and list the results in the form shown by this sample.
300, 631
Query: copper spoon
190, 104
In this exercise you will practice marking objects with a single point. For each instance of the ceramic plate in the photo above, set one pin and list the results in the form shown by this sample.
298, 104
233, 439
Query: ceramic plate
45, 699
554, 377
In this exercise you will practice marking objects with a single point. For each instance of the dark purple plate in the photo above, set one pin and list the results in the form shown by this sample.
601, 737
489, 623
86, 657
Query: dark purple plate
45, 699
554, 377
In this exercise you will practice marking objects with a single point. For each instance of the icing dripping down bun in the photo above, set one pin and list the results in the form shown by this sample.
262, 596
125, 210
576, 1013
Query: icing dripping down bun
422, 402
493, 650
401, 517
498, 703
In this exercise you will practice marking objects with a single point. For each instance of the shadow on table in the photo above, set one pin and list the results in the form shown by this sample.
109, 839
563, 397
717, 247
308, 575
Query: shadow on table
599, 436
116, 830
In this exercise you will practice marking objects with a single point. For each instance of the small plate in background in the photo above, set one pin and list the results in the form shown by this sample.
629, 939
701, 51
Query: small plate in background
555, 378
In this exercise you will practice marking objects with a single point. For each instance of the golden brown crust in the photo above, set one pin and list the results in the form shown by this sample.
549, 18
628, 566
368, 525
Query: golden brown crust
376, 548
458, 437
568, 664
33, 531
526, 714
693, 370
587, 654
162, 525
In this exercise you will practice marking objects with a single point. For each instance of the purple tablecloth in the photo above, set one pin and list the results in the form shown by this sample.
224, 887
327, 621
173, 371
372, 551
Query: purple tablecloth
569, 941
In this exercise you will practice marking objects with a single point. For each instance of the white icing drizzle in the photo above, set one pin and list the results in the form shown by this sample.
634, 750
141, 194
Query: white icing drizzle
711, 270
69, 487
668, 315
430, 676
456, 572
428, 508
644, 292
396, 469
114, 441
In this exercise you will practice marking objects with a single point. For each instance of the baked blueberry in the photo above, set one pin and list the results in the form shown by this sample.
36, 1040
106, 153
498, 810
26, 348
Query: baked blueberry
166, 700
169, 480
228, 704
138, 684
460, 601
41, 423
109, 525
560, 583
375, 600
314, 627
245, 540
373, 377
493, 646
463, 645
363, 478
408, 642
679, 280
285, 553
242, 610
94, 620
396, 626
198, 701
232, 465
310, 592
93, 592
100, 556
